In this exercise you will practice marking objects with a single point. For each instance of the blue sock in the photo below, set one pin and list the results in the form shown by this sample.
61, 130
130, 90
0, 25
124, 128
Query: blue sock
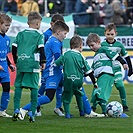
58, 97
41, 100
4, 100
41, 89
86, 103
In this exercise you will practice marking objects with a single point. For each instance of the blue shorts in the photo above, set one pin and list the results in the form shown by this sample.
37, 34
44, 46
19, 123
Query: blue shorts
4, 76
52, 82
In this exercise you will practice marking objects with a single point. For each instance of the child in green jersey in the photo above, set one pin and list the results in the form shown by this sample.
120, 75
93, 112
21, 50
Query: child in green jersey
103, 71
110, 34
28, 55
74, 67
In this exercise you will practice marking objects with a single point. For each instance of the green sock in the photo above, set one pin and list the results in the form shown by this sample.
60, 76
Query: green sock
66, 108
17, 97
34, 96
103, 106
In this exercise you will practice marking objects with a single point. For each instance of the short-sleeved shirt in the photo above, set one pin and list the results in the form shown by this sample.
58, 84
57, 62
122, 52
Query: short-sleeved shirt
28, 43
52, 46
102, 62
74, 66
116, 47
4, 50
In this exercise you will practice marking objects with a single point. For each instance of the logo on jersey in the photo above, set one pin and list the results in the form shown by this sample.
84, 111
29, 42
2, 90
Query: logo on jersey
23, 56
73, 77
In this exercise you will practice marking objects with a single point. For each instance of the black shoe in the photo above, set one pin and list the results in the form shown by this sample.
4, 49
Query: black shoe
125, 108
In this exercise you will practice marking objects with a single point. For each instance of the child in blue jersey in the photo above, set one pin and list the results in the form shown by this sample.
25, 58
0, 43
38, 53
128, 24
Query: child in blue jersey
58, 110
103, 70
53, 76
5, 22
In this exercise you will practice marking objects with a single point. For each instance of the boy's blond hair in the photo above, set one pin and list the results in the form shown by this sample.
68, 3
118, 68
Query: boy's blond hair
1, 19
93, 37
75, 42
4, 17
33, 16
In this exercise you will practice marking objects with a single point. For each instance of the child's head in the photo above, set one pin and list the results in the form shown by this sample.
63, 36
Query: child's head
110, 32
93, 41
76, 43
60, 29
56, 17
5, 22
34, 20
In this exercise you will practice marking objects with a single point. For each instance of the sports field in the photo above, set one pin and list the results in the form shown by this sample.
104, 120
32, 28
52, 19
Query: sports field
51, 123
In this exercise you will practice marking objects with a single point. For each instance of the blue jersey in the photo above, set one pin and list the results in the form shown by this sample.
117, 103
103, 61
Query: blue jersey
47, 34
4, 50
52, 46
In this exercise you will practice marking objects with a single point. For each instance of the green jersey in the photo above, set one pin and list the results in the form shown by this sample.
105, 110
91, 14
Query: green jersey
74, 65
102, 62
28, 43
118, 48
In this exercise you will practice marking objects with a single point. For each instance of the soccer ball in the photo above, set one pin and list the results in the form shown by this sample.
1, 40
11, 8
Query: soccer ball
114, 109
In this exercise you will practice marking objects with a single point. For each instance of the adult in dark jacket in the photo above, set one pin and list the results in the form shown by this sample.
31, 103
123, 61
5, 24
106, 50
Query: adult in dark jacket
82, 16
10, 6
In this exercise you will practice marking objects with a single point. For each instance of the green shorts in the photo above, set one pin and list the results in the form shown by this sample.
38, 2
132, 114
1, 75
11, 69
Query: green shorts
27, 80
105, 83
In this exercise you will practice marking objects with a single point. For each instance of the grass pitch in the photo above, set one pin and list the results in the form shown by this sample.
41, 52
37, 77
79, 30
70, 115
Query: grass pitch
51, 123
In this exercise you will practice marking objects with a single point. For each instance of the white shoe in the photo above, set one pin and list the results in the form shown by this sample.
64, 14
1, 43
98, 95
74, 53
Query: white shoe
22, 114
4, 114
58, 112
93, 114
38, 113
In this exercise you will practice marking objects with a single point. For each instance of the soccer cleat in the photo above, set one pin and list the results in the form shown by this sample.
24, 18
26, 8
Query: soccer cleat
124, 116
22, 114
4, 114
38, 113
31, 117
125, 109
15, 116
81, 113
94, 115
58, 112
68, 116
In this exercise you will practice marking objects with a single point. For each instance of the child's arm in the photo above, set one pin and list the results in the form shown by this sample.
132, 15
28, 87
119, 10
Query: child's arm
12, 67
14, 53
42, 58
130, 72
120, 59
91, 75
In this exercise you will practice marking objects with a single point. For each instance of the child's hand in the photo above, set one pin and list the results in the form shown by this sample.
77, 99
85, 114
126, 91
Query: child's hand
1, 68
12, 67
125, 66
95, 85
43, 66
